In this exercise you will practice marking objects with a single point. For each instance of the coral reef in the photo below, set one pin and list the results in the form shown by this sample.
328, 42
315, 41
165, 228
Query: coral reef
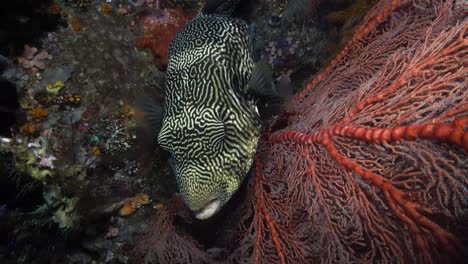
368, 164
75, 159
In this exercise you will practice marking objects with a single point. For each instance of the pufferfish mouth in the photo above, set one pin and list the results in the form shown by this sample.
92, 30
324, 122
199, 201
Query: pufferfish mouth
208, 210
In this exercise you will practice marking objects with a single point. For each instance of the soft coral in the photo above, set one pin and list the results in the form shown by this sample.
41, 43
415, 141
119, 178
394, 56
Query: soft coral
33, 60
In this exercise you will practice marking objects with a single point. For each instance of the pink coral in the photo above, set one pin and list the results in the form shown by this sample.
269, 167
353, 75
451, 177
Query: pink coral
33, 60
111, 232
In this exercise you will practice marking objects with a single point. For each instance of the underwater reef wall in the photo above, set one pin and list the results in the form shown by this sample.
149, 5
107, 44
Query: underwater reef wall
367, 165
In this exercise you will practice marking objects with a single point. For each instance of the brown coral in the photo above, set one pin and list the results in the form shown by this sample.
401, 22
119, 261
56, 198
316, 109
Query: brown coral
38, 114
132, 204
76, 25
164, 245
28, 128
106, 9
95, 151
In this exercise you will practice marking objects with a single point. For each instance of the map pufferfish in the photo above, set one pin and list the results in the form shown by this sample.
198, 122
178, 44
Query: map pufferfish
210, 122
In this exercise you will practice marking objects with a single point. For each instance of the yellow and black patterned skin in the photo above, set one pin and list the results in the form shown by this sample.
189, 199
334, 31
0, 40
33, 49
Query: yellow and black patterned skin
210, 126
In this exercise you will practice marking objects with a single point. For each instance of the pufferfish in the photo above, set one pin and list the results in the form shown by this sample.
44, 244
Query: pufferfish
210, 122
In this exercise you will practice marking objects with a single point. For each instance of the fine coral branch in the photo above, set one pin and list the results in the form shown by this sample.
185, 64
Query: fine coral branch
263, 214
158, 244
375, 18
429, 58
451, 112
407, 211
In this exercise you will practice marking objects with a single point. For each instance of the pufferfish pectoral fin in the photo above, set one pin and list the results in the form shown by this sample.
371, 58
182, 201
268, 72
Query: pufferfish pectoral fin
152, 114
272, 97
261, 83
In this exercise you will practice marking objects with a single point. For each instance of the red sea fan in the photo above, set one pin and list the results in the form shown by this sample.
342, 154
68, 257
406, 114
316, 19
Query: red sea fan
374, 152
369, 163
162, 244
